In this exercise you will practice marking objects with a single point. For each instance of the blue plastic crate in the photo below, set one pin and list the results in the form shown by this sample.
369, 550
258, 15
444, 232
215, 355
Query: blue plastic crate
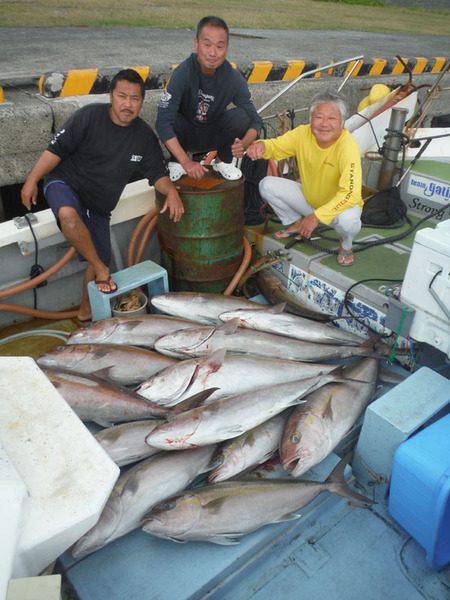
420, 490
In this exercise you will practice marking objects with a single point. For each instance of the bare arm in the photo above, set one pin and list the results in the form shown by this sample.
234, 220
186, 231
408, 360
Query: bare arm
192, 168
256, 150
45, 163
240, 146
173, 201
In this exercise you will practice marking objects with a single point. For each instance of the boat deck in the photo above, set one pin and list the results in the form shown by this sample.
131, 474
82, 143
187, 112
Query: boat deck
332, 552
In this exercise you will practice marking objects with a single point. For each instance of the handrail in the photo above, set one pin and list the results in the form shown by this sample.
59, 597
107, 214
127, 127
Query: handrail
302, 76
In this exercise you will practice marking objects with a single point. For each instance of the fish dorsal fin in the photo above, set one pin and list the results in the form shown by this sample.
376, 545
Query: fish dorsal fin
276, 309
229, 327
215, 360
193, 401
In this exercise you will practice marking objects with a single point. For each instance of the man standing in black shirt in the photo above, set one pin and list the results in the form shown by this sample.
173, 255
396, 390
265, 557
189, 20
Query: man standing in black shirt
193, 115
86, 167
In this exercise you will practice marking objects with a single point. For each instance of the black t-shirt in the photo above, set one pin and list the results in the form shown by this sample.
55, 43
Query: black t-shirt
201, 98
99, 157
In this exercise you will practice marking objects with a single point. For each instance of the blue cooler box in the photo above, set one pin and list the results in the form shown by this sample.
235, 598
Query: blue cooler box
419, 496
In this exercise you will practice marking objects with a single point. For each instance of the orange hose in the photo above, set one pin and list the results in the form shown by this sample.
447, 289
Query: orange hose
40, 314
22, 287
147, 233
244, 265
139, 227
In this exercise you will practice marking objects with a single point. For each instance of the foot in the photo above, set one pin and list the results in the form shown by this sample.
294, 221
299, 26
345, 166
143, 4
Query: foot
227, 170
106, 286
345, 257
176, 171
287, 233
84, 317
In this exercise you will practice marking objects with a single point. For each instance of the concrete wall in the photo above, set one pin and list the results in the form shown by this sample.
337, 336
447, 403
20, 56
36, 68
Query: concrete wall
26, 129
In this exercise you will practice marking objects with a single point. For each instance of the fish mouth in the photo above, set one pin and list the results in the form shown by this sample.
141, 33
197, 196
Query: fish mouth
291, 463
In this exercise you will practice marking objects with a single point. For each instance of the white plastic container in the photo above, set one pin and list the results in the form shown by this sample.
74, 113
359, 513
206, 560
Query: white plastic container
429, 265
142, 310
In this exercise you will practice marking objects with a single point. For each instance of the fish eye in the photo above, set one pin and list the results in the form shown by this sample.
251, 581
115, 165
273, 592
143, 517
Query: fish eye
168, 505
295, 437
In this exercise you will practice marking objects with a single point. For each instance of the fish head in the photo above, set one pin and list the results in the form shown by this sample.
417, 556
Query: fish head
170, 385
100, 534
305, 442
183, 304
185, 342
97, 333
61, 356
174, 517
164, 302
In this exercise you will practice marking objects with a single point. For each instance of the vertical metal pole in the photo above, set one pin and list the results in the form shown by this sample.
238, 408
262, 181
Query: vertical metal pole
392, 146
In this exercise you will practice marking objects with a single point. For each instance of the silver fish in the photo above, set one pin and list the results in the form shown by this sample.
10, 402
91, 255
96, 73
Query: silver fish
230, 374
250, 449
203, 340
273, 320
134, 331
224, 512
200, 307
229, 417
96, 400
125, 444
315, 429
123, 365
138, 490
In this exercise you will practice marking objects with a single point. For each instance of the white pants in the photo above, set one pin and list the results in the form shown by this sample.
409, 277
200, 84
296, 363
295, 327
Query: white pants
287, 200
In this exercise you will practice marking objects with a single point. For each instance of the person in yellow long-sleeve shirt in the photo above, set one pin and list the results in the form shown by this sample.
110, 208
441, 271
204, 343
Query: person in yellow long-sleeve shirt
329, 162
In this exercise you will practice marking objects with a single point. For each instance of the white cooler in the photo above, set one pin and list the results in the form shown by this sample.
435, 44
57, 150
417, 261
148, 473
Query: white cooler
429, 265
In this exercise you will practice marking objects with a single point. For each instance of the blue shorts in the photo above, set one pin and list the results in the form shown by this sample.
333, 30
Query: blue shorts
59, 194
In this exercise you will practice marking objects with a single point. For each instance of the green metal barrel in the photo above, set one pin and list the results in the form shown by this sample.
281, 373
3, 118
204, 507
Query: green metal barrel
204, 249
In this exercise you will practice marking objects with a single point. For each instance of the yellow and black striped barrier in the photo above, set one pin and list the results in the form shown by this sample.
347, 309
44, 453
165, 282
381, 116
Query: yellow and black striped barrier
94, 81
80, 82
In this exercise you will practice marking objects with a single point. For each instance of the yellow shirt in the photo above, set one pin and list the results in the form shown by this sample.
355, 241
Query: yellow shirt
331, 178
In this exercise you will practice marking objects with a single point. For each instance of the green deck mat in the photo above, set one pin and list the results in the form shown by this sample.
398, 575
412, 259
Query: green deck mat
434, 168
380, 261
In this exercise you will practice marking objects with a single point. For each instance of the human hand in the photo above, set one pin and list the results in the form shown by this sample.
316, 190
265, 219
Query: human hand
29, 193
256, 150
194, 169
306, 225
238, 148
175, 206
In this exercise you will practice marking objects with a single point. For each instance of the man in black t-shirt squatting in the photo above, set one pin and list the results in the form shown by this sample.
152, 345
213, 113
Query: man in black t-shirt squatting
192, 112
86, 167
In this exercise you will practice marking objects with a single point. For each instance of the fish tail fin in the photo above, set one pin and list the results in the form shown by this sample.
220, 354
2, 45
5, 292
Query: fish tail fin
338, 485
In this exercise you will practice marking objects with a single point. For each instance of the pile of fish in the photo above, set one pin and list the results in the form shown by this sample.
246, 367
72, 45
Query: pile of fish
207, 394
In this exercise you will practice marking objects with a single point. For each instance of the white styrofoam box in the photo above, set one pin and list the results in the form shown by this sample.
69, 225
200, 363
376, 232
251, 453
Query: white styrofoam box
68, 475
47, 587
12, 494
430, 255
